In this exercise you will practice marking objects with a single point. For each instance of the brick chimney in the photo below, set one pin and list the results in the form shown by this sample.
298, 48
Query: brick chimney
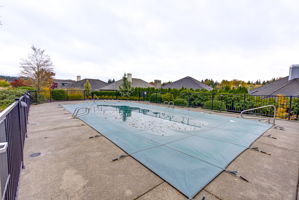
129, 76
294, 72
157, 84
78, 78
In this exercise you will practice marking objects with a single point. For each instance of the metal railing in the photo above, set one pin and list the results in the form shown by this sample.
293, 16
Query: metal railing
77, 113
261, 107
13, 129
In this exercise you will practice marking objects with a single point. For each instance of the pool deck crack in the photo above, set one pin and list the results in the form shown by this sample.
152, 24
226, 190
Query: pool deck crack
214, 195
278, 147
58, 128
149, 190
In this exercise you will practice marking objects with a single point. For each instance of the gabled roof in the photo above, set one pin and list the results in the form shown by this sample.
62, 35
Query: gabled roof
136, 82
188, 83
95, 84
282, 86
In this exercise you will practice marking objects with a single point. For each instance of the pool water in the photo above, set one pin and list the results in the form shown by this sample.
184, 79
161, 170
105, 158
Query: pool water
160, 123
187, 149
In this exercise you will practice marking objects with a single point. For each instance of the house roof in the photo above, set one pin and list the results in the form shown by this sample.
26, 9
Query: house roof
63, 80
63, 83
282, 86
95, 84
188, 83
136, 82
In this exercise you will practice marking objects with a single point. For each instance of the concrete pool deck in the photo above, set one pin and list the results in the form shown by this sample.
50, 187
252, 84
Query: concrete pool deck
74, 166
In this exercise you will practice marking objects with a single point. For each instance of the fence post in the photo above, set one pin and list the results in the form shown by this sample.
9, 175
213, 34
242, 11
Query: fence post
50, 95
212, 101
244, 106
156, 97
188, 99
290, 108
84, 94
36, 98
20, 128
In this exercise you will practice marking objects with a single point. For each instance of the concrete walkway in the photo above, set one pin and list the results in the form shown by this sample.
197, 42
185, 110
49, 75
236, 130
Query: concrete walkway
74, 166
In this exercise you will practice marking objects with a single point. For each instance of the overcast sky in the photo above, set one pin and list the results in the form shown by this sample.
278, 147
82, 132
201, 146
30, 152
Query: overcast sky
153, 39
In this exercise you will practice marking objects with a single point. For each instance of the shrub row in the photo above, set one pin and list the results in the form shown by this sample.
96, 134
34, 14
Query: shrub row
229, 102
8, 96
105, 93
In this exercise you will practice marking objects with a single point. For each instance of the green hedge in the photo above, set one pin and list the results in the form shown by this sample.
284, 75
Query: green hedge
167, 97
4, 83
59, 94
105, 93
156, 98
180, 102
7, 97
215, 105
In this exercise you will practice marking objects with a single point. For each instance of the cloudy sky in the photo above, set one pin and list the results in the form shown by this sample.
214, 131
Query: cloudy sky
153, 39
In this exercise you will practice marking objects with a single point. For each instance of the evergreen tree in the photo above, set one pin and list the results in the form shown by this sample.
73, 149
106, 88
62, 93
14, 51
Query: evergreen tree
87, 88
125, 88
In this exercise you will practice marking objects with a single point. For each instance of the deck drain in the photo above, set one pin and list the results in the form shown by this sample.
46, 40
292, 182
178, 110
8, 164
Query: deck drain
35, 155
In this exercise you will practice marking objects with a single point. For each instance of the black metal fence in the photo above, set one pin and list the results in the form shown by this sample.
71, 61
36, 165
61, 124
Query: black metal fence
287, 106
13, 129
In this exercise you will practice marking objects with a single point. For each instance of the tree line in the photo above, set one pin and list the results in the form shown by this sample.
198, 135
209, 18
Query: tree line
37, 71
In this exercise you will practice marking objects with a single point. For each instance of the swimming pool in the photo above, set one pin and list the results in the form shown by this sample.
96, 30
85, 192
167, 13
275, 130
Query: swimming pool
187, 149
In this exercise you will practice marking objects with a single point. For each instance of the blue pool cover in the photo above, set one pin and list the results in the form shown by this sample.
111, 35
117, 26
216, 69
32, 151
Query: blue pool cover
186, 149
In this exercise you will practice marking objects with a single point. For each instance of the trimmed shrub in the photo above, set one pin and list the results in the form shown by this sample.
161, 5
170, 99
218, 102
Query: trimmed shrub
8, 96
75, 94
215, 105
59, 94
4, 83
104, 93
28, 88
167, 97
180, 102
198, 99
43, 95
155, 98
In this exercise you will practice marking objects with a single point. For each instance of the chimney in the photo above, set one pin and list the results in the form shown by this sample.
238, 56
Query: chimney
78, 78
294, 72
157, 84
129, 77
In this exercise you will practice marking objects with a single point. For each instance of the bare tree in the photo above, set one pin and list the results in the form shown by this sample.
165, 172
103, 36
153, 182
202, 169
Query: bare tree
38, 67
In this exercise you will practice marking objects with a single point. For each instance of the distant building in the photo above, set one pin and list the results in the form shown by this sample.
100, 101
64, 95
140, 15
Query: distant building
79, 84
95, 84
157, 84
62, 84
287, 86
188, 83
136, 82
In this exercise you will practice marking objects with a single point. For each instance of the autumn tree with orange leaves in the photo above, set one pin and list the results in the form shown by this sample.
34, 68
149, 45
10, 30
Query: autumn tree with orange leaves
38, 67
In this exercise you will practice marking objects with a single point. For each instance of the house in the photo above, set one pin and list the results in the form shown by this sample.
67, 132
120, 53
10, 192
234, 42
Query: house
136, 82
79, 84
188, 83
287, 86
61, 84
94, 83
